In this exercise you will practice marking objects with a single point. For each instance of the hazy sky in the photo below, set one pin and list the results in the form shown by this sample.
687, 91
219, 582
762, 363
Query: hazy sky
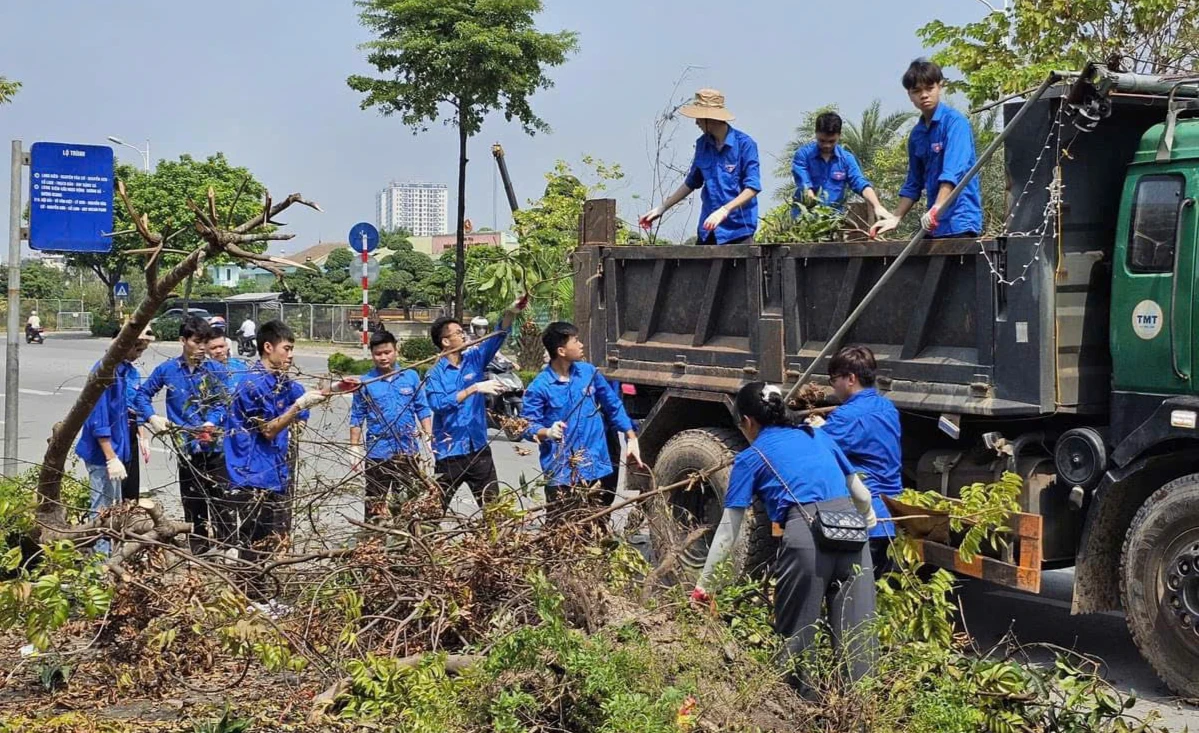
270, 90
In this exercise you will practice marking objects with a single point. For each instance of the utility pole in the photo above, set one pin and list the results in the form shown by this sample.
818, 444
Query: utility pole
12, 380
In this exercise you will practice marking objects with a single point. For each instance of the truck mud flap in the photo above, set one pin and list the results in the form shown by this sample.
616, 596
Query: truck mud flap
1018, 565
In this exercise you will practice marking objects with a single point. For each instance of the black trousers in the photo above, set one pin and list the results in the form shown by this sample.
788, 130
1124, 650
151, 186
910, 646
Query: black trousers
608, 483
476, 470
878, 556
255, 522
809, 577
391, 481
200, 481
562, 500
131, 487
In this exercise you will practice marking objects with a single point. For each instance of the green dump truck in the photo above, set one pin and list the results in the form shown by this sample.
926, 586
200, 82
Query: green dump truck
1064, 350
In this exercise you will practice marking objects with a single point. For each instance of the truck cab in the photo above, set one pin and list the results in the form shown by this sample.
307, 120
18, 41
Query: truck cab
1068, 340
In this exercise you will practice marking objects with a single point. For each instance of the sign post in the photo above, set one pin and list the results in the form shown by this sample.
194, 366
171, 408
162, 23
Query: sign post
364, 238
12, 380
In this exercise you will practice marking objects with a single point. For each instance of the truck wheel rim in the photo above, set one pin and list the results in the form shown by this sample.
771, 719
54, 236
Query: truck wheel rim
1180, 587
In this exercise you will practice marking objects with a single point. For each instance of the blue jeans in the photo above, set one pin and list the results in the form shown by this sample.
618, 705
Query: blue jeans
105, 493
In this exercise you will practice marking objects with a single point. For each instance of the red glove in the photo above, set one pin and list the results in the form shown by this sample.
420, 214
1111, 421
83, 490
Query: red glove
701, 600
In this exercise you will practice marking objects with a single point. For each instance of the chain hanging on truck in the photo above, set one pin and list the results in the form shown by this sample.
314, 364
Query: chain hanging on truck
1049, 215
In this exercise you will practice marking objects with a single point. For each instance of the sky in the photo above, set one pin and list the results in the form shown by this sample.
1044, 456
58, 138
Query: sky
270, 91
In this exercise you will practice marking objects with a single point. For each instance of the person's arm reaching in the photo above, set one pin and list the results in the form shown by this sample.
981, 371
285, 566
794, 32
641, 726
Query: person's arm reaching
617, 417
861, 498
909, 193
693, 181
804, 191
722, 544
751, 185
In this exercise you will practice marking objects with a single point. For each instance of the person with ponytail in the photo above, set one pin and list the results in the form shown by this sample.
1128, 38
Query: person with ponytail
794, 468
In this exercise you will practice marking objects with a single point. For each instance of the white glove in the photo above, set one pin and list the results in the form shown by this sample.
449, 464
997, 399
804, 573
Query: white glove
357, 456
648, 218
633, 451
882, 226
490, 387
556, 431
814, 421
929, 220
158, 424
715, 218
310, 399
116, 469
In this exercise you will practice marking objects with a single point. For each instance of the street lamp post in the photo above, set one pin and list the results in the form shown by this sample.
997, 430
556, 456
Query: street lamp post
144, 153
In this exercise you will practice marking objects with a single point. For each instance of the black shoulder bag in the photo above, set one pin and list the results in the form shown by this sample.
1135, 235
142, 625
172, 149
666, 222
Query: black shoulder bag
836, 530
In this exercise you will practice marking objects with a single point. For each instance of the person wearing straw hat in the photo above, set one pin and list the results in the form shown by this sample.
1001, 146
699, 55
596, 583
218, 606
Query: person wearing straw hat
725, 169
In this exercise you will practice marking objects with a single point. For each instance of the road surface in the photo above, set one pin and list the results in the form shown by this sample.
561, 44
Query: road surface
52, 375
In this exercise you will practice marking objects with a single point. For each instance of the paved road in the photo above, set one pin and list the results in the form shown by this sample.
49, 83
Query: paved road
52, 375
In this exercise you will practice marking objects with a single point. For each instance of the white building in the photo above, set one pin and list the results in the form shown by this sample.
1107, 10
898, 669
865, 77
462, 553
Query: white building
422, 209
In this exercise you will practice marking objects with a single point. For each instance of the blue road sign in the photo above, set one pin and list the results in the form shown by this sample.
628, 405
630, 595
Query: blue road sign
364, 236
70, 208
121, 290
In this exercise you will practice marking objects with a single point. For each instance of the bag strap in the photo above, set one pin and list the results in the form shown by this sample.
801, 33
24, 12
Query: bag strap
786, 487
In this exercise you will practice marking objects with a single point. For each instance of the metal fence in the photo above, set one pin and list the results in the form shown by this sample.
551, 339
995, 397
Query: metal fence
56, 314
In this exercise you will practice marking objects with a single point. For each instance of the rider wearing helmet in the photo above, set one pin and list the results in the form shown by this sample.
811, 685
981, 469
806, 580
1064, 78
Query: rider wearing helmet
479, 327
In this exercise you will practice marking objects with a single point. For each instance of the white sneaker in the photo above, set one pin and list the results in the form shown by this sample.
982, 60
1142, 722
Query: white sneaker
272, 609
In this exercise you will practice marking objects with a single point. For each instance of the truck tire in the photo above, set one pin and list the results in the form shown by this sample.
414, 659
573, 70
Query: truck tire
1159, 583
684, 454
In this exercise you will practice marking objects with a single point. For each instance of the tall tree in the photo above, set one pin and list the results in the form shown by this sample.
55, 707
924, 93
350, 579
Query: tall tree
471, 57
162, 195
1014, 48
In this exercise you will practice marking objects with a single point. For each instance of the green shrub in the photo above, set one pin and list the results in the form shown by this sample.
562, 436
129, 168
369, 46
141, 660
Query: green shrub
104, 324
340, 363
417, 349
167, 329
527, 376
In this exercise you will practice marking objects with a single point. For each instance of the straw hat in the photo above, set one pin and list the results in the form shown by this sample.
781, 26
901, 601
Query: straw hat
708, 105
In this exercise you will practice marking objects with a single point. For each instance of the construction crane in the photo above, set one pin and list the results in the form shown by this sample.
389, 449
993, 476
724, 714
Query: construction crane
498, 152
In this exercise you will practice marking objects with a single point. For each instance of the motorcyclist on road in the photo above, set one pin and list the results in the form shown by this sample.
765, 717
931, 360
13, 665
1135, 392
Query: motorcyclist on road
34, 324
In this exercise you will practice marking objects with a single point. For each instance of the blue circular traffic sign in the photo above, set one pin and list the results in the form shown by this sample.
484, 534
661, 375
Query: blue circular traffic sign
364, 237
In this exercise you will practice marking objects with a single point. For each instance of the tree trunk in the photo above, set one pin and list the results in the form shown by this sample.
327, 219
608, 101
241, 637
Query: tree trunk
460, 243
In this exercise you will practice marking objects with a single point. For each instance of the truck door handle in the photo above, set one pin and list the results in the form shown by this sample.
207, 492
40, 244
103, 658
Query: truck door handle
1186, 204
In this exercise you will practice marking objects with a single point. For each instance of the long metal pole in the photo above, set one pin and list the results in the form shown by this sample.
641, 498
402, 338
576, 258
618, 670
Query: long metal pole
835, 340
12, 370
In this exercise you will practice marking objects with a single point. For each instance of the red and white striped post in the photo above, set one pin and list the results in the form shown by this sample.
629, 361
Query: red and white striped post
366, 308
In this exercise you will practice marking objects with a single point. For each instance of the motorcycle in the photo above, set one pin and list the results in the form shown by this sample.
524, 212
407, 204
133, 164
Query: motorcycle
246, 346
507, 404
34, 335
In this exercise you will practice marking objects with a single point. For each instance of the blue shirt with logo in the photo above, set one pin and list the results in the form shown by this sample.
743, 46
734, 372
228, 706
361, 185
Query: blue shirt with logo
942, 151
109, 418
460, 429
811, 468
721, 175
194, 396
866, 428
253, 461
392, 409
829, 179
132, 384
586, 402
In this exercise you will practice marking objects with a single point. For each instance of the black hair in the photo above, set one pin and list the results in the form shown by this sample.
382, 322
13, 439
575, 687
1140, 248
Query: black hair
856, 360
380, 337
829, 123
556, 335
274, 333
922, 73
439, 326
195, 327
215, 332
764, 403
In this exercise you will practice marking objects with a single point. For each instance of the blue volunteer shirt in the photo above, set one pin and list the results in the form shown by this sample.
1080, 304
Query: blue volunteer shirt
253, 462
812, 466
109, 418
720, 176
392, 409
586, 402
133, 383
194, 396
461, 429
941, 151
866, 428
828, 178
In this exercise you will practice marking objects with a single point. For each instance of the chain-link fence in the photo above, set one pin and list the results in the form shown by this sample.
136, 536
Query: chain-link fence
55, 314
337, 323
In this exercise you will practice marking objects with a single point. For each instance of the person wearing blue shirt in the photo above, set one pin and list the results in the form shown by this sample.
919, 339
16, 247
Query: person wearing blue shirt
255, 511
866, 428
391, 408
567, 407
726, 168
235, 368
103, 444
796, 471
195, 400
825, 172
940, 152
457, 389
131, 487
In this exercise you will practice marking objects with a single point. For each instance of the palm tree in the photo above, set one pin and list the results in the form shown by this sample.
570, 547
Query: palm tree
872, 133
